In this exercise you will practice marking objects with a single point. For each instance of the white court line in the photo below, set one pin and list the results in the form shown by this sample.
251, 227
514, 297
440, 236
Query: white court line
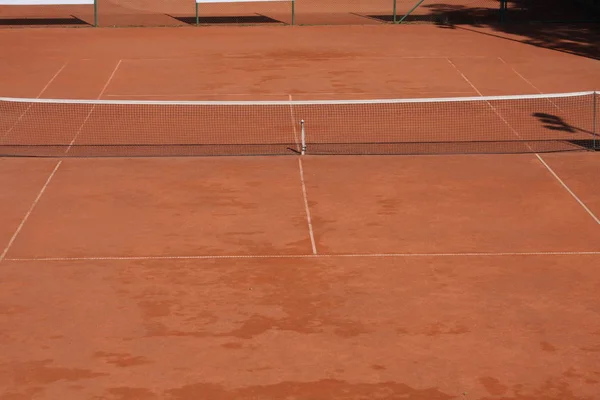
259, 57
564, 185
304, 193
528, 82
541, 160
26, 217
519, 75
52, 80
464, 77
39, 196
37, 97
307, 208
488, 102
300, 256
110, 78
93, 107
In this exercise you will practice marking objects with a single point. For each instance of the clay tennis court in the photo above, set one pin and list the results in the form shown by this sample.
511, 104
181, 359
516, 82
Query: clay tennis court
314, 277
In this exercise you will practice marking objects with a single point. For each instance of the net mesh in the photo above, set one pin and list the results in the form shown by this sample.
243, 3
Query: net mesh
502, 124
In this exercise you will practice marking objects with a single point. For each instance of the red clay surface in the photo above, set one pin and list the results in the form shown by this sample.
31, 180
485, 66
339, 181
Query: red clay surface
472, 300
428, 328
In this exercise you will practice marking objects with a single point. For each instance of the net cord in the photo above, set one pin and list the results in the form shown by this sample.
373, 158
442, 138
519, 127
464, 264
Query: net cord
297, 102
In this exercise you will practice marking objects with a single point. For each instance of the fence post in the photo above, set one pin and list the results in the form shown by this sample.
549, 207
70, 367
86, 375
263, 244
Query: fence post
394, 12
95, 13
293, 11
411, 10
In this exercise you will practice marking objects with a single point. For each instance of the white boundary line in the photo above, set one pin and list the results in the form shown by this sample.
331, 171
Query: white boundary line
93, 107
110, 78
564, 185
487, 100
299, 256
527, 81
26, 217
52, 79
43, 189
307, 208
304, 193
519, 75
464, 77
541, 160
37, 97
245, 57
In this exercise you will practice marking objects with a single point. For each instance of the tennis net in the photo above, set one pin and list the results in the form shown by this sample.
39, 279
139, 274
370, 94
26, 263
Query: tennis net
496, 124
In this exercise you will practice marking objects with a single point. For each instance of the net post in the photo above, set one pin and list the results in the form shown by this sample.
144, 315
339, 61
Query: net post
197, 17
293, 11
95, 13
303, 137
596, 144
394, 12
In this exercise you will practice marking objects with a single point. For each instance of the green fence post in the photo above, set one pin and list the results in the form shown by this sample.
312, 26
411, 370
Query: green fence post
95, 13
411, 10
197, 17
293, 11
394, 12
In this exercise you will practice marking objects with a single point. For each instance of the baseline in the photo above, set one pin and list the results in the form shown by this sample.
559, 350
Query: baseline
320, 255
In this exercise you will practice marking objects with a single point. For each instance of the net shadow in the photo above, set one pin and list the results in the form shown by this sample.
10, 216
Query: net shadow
287, 149
72, 21
556, 123
256, 19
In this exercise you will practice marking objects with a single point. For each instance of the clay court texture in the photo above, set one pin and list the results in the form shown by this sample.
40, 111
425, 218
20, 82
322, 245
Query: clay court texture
432, 277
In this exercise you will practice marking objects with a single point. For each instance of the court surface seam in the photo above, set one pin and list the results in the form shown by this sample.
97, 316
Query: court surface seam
316, 256
31, 208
